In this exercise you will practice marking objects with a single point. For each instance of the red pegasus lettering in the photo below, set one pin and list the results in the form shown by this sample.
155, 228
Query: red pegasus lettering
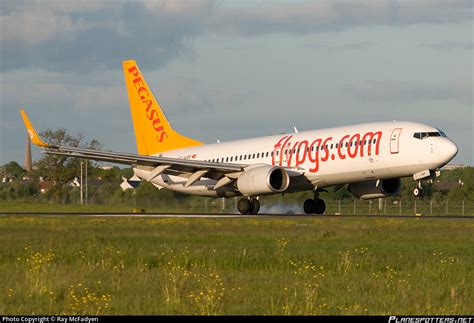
162, 136
354, 140
341, 145
157, 126
326, 149
151, 113
314, 147
140, 91
275, 149
301, 157
133, 70
291, 152
282, 150
370, 135
150, 116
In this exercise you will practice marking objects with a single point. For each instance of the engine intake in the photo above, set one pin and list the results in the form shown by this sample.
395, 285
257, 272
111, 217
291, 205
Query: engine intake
263, 180
370, 189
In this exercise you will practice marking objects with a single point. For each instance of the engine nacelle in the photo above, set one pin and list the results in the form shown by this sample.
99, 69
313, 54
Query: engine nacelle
263, 180
370, 189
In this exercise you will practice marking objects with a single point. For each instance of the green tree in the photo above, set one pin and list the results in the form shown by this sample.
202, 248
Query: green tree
13, 169
62, 169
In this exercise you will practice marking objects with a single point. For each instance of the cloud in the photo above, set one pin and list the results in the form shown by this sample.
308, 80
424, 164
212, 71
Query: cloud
405, 92
348, 46
331, 15
99, 34
450, 46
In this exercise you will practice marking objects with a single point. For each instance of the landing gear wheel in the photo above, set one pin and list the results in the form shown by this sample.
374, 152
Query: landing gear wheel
308, 206
255, 206
319, 206
244, 206
418, 192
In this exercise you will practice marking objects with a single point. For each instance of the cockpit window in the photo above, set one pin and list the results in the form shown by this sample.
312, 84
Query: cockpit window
423, 135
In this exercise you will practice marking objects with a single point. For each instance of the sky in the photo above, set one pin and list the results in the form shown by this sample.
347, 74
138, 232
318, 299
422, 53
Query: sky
225, 70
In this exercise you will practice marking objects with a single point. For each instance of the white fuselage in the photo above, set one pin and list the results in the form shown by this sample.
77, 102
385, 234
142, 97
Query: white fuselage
326, 157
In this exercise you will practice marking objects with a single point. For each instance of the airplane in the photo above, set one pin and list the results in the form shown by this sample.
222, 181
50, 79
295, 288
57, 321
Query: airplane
370, 158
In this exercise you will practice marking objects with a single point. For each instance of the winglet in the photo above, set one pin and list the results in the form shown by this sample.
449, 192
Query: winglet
31, 131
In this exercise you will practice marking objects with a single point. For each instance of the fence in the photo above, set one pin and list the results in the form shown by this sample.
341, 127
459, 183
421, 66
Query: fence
342, 207
400, 207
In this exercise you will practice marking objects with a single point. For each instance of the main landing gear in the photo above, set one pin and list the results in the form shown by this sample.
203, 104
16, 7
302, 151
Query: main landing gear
316, 206
248, 206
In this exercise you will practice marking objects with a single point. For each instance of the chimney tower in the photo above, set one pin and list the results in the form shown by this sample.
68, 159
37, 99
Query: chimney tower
28, 165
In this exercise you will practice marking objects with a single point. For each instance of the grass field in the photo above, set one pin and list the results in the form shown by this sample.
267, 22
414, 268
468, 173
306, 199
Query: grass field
284, 265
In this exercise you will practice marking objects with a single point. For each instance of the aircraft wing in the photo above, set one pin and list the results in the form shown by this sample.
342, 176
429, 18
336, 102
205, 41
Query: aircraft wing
157, 165
176, 164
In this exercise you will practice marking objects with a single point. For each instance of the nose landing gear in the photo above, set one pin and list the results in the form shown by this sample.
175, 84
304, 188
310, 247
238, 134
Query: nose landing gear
428, 175
418, 192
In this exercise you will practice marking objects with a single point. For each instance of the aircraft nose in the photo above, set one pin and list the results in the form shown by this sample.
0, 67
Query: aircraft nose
448, 151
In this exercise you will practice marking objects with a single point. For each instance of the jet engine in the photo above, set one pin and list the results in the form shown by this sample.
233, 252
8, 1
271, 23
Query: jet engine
263, 180
376, 188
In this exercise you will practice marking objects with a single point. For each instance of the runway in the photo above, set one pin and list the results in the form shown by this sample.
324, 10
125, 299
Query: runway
221, 215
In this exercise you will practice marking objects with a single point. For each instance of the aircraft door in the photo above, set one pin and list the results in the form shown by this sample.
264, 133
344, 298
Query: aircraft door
394, 140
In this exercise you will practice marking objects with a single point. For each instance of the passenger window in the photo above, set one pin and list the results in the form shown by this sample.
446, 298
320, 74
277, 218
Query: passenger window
331, 146
347, 144
253, 156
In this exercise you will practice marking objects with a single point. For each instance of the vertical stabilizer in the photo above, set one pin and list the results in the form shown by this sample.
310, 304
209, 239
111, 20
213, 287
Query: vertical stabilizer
153, 132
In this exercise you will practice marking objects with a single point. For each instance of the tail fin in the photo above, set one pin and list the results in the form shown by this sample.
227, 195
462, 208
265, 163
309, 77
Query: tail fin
153, 132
